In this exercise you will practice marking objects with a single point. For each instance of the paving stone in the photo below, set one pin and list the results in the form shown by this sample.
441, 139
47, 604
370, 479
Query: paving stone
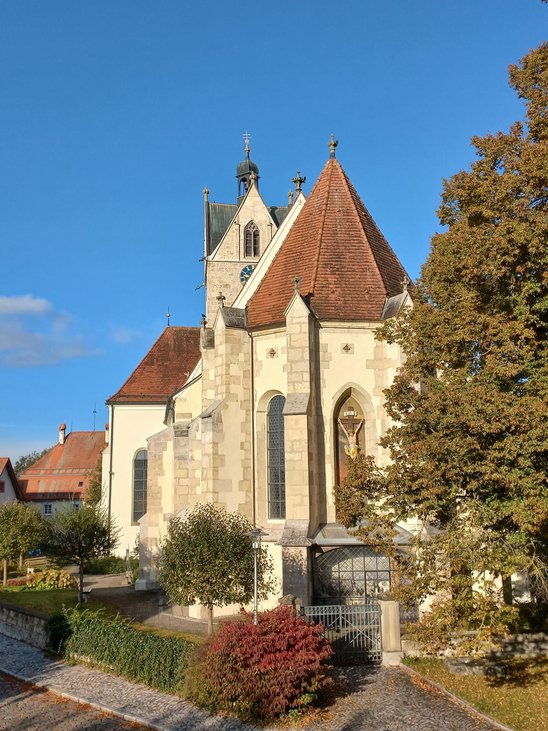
363, 698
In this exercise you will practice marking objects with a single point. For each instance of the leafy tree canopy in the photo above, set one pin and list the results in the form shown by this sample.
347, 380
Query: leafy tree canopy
468, 444
94, 489
76, 536
208, 558
22, 528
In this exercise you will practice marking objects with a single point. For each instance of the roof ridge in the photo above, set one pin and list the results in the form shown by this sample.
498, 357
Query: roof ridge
360, 204
353, 195
320, 232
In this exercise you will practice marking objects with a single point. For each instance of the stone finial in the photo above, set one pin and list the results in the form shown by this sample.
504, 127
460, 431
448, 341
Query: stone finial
206, 193
253, 177
296, 284
289, 197
332, 145
221, 299
405, 283
298, 180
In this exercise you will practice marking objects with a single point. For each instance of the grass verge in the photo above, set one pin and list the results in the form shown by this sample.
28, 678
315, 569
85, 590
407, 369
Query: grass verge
518, 700
44, 603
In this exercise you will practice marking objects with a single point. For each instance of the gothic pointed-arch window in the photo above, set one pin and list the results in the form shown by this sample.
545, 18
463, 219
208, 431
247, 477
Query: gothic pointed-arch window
140, 464
276, 458
251, 240
349, 433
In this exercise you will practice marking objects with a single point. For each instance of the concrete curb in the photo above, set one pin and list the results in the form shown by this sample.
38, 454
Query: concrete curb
456, 698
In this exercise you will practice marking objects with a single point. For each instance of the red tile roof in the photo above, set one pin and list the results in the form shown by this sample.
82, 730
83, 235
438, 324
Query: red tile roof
345, 265
65, 470
164, 369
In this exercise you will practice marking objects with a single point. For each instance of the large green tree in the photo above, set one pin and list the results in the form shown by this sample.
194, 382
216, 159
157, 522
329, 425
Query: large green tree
76, 536
208, 557
22, 528
468, 444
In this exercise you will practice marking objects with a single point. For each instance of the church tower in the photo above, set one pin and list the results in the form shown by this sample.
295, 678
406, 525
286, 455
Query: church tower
236, 235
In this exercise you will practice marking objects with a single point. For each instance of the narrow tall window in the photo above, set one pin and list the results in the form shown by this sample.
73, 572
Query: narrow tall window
139, 485
276, 459
251, 240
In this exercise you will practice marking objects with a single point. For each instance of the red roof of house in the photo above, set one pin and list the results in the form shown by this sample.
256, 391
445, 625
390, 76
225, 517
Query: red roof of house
345, 265
5, 464
65, 470
164, 369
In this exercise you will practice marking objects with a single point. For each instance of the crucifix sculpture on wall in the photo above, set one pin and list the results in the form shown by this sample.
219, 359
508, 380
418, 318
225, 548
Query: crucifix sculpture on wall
351, 426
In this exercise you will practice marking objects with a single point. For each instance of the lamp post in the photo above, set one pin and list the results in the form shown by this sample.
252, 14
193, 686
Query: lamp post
256, 534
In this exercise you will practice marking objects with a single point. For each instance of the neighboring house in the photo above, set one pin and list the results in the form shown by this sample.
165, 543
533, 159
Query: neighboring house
137, 410
9, 485
290, 381
61, 476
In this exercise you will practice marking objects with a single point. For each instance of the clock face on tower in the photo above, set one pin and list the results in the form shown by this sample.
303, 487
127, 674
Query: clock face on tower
246, 273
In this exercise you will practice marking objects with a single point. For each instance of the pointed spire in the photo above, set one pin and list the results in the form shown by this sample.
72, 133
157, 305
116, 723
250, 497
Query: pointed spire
346, 267
247, 149
332, 145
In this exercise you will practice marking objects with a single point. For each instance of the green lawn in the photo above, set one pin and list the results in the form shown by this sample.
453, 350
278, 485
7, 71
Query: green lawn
44, 603
520, 700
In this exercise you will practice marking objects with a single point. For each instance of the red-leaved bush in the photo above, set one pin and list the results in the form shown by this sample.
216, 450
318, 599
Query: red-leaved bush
260, 671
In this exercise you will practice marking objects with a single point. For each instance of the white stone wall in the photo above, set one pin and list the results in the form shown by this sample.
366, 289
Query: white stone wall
128, 433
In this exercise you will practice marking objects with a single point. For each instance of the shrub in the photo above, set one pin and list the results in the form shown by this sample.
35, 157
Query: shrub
105, 565
58, 631
115, 645
51, 579
260, 671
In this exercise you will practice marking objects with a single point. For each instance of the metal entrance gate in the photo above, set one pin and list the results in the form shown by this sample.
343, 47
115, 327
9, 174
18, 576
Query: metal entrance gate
354, 630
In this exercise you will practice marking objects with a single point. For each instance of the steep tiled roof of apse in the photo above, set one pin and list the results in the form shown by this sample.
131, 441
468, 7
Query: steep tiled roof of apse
345, 265
164, 369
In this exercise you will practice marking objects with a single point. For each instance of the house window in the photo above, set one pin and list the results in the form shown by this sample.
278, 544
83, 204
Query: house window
47, 509
276, 459
251, 240
139, 485
2, 486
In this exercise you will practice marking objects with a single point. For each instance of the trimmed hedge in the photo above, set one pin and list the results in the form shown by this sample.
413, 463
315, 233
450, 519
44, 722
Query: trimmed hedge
115, 645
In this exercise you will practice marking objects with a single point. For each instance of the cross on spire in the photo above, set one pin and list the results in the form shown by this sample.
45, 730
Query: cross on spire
247, 149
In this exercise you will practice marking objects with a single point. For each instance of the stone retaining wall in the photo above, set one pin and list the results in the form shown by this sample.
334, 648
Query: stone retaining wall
22, 625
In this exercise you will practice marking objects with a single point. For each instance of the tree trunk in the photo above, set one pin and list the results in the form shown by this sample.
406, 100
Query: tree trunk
81, 585
20, 560
210, 619
5, 579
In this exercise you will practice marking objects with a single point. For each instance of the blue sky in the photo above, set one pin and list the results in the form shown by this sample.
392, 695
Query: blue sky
114, 115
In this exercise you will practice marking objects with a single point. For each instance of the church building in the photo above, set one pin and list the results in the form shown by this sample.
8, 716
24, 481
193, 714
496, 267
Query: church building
282, 384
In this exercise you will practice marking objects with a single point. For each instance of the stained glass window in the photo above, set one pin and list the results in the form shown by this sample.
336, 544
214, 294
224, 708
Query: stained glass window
276, 459
139, 485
